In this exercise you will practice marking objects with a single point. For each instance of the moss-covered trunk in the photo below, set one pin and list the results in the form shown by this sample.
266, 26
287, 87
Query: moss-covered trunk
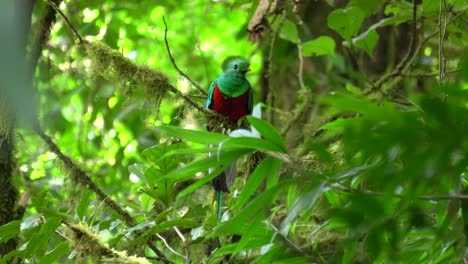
8, 193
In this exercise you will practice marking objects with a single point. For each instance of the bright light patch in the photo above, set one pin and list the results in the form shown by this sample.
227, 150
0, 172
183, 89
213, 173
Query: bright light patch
102, 32
166, 119
112, 102
134, 178
112, 133
183, 84
23, 168
205, 46
427, 51
132, 54
90, 15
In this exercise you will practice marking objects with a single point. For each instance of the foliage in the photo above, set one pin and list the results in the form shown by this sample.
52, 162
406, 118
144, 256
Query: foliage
359, 154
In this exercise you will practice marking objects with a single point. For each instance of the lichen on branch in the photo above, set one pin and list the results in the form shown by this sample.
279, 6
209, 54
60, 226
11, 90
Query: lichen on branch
111, 63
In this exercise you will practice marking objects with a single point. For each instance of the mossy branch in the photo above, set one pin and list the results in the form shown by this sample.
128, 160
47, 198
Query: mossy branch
88, 247
108, 62
79, 176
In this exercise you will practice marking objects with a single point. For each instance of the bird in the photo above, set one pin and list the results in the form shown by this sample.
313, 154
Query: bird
230, 95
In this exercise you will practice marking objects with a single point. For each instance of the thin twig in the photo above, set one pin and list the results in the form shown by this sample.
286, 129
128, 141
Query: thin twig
401, 69
442, 28
175, 65
66, 20
169, 247
290, 243
188, 99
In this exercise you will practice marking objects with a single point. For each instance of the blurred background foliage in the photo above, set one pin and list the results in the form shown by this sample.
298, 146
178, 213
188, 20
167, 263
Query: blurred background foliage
362, 159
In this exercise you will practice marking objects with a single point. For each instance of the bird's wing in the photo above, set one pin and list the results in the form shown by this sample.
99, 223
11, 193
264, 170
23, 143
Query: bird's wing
209, 100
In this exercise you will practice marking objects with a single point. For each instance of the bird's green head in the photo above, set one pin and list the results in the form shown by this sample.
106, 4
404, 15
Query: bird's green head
236, 66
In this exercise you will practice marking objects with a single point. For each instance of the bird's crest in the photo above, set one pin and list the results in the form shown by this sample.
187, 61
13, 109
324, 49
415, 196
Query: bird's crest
228, 60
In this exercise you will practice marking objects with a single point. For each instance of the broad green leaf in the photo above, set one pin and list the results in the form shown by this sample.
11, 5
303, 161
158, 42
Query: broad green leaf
55, 254
323, 45
302, 204
430, 7
255, 236
189, 170
253, 144
9, 230
369, 7
254, 181
183, 223
273, 173
346, 22
139, 170
337, 126
402, 11
146, 202
352, 89
253, 210
355, 104
201, 137
268, 131
367, 41
201, 182
289, 31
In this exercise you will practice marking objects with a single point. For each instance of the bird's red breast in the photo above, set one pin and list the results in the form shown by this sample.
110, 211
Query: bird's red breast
233, 107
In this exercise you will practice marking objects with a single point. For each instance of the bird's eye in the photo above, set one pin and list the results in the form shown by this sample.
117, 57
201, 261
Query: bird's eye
235, 66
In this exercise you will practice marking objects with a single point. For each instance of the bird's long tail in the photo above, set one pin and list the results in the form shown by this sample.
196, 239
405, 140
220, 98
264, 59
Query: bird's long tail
219, 200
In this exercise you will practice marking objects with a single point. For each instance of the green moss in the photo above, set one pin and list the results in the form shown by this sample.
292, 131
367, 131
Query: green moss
88, 247
111, 64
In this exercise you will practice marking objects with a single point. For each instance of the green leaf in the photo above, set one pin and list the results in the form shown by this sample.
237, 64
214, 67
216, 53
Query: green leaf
367, 41
368, 7
188, 171
303, 203
323, 45
337, 126
201, 137
256, 208
289, 31
273, 173
268, 131
253, 144
201, 182
255, 236
54, 255
255, 180
346, 22
183, 223
146, 202
9, 230
430, 7
139, 170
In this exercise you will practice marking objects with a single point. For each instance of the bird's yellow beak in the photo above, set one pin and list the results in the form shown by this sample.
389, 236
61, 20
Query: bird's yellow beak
248, 69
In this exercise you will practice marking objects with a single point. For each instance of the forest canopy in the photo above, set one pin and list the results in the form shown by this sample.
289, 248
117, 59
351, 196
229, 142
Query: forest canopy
356, 150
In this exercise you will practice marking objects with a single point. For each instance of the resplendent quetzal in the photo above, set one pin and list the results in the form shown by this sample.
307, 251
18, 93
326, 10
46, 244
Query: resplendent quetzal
230, 95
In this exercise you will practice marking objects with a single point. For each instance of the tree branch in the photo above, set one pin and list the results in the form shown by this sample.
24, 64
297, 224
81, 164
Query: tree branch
175, 65
45, 27
79, 176
401, 68
70, 25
